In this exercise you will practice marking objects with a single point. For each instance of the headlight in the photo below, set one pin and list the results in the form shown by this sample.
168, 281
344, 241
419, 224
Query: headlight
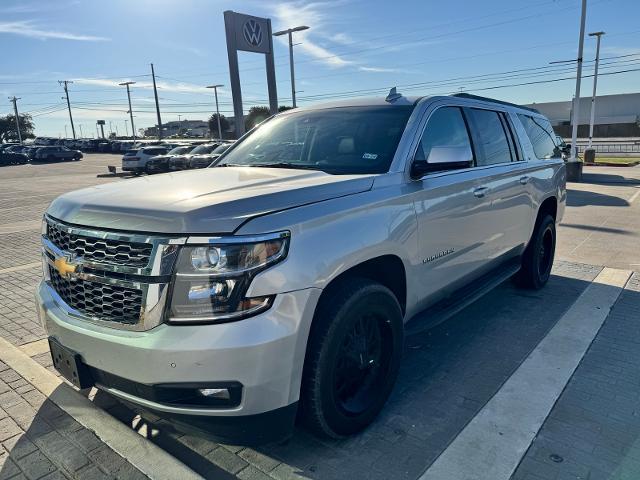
211, 280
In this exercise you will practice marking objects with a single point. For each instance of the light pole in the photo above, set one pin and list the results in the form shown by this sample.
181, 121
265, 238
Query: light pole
81, 134
595, 84
215, 91
126, 128
133, 129
14, 100
65, 131
289, 32
576, 107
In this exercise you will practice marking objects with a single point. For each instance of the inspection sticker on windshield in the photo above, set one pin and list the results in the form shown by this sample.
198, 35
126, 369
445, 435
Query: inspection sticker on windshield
370, 156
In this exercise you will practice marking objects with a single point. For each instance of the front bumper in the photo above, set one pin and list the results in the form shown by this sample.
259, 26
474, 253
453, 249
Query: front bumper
265, 354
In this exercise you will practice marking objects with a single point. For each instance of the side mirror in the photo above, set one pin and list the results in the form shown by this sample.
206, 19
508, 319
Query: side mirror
443, 158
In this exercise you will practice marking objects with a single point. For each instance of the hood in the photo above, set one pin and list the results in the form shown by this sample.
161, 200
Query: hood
209, 201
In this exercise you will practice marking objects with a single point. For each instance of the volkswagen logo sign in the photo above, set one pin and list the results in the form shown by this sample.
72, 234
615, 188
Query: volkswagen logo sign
252, 32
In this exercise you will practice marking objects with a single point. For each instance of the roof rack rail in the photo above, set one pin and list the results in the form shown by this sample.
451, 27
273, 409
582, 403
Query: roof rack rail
493, 100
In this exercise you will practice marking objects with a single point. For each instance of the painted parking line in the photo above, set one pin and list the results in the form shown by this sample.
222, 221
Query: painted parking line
139, 452
491, 446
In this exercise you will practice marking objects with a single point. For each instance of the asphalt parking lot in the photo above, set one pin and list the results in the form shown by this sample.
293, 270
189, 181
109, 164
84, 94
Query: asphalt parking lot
449, 377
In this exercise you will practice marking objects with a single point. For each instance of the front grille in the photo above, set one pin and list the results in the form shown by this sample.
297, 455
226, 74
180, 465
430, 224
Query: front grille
105, 302
101, 250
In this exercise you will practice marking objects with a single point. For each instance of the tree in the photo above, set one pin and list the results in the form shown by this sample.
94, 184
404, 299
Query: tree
213, 125
8, 132
284, 108
255, 116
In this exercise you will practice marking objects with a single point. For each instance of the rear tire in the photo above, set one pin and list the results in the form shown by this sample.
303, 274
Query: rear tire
353, 357
538, 256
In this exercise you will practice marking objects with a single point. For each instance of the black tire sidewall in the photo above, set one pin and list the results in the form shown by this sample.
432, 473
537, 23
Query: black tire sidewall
371, 297
537, 279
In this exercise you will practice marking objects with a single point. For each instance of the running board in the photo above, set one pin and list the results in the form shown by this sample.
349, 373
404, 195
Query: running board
458, 300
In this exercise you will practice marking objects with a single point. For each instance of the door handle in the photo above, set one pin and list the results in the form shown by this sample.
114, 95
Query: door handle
480, 192
524, 180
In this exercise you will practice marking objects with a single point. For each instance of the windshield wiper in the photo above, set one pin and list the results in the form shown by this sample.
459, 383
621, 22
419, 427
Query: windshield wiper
294, 166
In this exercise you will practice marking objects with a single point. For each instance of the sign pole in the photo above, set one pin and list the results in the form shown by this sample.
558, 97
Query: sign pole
234, 72
271, 73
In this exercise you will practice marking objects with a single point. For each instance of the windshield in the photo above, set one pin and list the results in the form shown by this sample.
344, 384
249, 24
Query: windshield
346, 140
180, 150
203, 149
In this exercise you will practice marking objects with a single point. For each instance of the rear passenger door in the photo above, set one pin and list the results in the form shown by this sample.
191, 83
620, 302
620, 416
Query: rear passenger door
504, 201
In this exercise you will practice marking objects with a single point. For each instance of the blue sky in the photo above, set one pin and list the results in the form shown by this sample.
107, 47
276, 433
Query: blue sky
353, 47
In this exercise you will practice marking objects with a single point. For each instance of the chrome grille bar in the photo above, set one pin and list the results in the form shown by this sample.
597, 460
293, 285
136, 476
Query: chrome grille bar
125, 292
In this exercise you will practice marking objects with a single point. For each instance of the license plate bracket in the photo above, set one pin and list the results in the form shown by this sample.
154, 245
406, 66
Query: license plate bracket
69, 364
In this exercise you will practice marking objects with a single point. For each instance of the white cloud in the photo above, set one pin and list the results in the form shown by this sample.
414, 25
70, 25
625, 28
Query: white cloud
162, 85
377, 69
292, 14
27, 28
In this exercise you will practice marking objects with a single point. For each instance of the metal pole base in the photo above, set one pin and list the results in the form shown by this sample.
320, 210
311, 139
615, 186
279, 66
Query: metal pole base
574, 170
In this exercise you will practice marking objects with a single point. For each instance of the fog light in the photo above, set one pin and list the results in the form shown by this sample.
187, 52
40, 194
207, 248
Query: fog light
220, 393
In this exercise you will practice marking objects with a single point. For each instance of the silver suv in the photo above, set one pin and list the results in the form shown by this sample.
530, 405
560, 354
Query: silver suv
284, 277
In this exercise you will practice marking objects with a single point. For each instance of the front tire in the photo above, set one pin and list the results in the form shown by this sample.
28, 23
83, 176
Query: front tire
353, 357
538, 256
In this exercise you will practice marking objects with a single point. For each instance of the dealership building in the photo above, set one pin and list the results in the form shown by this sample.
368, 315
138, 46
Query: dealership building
616, 116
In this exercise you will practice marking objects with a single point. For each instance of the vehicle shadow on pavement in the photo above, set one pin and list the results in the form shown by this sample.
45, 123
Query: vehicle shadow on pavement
447, 375
40, 439
583, 198
607, 178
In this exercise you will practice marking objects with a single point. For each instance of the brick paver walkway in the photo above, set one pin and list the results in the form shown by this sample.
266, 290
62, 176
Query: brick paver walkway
38, 440
593, 432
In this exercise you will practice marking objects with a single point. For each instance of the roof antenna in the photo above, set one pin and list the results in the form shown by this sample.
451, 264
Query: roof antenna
393, 95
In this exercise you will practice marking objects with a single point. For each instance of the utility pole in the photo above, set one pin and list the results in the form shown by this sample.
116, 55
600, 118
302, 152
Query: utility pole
14, 100
133, 128
293, 80
215, 91
66, 94
595, 84
155, 93
576, 107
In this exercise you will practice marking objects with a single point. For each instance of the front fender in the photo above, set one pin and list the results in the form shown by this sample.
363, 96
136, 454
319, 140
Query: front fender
330, 237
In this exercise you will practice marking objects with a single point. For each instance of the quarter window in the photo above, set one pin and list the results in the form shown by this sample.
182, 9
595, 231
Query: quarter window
541, 135
493, 147
446, 137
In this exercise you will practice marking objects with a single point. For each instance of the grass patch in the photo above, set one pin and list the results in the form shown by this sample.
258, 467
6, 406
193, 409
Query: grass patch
618, 160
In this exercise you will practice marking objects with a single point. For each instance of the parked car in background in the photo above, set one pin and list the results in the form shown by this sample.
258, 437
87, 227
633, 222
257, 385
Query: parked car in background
13, 158
54, 153
160, 163
136, 160
181, 162
203, 161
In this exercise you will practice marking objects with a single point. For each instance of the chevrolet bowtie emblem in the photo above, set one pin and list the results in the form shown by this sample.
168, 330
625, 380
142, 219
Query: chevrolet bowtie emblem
63, 267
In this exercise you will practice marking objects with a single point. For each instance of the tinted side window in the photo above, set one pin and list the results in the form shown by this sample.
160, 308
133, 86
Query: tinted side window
542, 136
446, 137
493, 146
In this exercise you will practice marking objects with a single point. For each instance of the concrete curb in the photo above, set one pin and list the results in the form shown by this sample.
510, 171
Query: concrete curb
141, 453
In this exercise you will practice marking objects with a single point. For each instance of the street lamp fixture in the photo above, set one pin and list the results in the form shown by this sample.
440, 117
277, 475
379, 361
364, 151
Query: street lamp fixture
289, 32
215, 91
126, 84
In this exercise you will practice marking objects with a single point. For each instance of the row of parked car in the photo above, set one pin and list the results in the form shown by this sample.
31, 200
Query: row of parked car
105, 145
16, 154
171, 158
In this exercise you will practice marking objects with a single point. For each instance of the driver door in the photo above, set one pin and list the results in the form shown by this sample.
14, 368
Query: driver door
449, 210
